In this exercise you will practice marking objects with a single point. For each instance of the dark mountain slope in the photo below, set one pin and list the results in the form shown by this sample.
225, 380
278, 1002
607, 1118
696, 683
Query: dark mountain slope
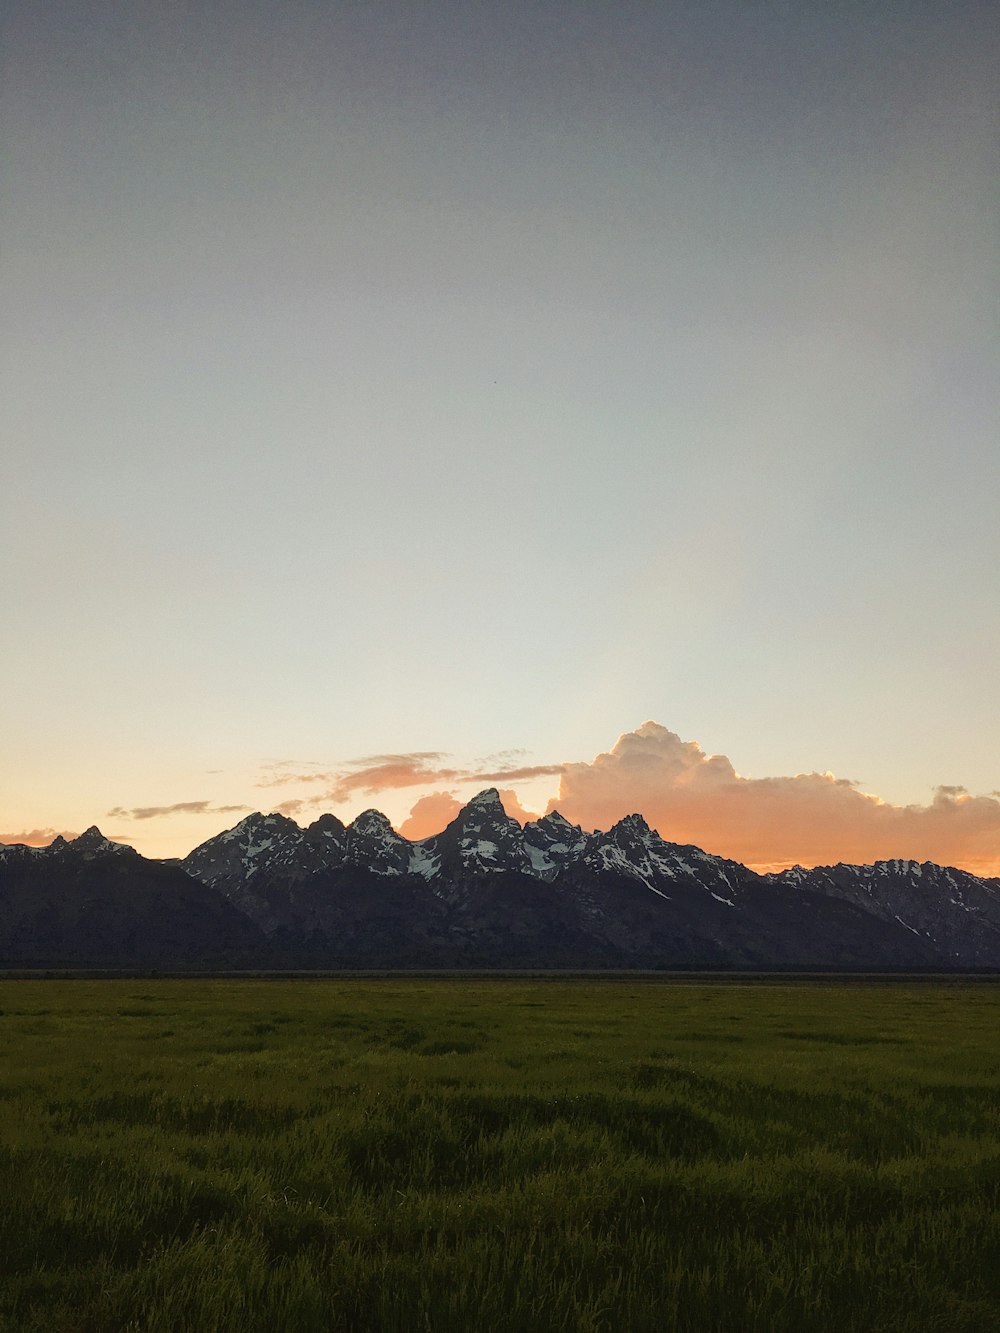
94, 903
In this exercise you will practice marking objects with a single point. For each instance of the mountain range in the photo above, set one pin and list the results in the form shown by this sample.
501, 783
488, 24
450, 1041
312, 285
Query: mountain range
484, 892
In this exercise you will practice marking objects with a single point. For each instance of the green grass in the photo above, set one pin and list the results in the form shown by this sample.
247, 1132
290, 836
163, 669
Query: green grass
531, 1156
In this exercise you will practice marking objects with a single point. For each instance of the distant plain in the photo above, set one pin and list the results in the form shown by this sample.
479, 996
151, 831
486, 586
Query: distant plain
499, 1154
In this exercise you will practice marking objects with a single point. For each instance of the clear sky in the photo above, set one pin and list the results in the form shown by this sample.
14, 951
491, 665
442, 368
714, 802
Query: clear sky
469, 383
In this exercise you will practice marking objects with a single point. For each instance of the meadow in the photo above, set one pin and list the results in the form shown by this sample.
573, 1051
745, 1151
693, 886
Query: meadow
522, 1155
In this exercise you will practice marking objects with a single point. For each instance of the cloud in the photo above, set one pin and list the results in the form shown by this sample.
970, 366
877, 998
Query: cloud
411, 757
515, 774
179, 808
430, 815
811, 818
368, 775
391, 772
291, 808
279, 772
36, 837
284, 778
514, 808
502, 758
433, 812
291, 763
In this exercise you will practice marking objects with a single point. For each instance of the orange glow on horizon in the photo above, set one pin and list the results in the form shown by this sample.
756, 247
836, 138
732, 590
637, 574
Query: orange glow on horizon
685, 794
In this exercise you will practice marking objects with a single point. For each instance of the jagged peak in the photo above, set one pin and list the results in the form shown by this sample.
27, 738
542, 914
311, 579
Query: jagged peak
372, 821
275, 819
256, 825
248, 821
487, 799
327, 824
93, 840
258, 819
554, 819
634, 823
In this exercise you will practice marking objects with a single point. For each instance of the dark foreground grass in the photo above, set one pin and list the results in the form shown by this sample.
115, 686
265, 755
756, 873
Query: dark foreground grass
498, 1155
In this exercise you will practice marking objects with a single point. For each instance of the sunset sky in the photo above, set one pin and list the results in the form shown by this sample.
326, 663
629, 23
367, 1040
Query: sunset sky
400, 399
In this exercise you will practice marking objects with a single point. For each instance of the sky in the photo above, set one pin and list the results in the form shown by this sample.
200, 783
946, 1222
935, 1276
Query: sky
400, 397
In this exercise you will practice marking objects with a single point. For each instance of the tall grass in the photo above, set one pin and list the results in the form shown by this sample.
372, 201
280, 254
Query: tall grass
511, 1155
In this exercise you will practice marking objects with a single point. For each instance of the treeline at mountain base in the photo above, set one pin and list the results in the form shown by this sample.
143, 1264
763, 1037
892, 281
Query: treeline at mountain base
516, 1155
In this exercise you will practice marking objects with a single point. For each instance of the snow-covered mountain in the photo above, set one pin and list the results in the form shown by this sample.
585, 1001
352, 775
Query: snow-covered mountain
552, 892
958, 912
486, 892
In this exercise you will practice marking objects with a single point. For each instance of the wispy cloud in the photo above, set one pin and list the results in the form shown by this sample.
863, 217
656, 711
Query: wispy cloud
291, 808
370, 774
282, 772
287, 778
411, 756
810, 818
178, 808
515, 774
502, 758
391, 772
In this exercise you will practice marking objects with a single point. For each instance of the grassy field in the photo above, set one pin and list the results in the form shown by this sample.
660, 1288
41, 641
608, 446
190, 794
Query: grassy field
522, 1155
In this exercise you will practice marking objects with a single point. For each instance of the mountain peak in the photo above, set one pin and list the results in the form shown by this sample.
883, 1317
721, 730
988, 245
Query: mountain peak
259, 823
372, 821
634, 823
371, 841
327, 826
246, 824
93, 840
274, 819
556, 820
487, 799
482, 837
